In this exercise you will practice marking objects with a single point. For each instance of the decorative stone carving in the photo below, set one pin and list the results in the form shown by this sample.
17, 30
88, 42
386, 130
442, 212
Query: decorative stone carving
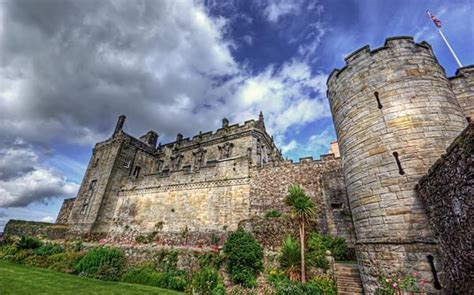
225, 150
199, 158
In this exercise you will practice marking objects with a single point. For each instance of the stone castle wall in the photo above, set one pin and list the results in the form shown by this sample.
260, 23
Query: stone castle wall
447, 193
213, 201
394, 113
65, 211
463, 87
269, 187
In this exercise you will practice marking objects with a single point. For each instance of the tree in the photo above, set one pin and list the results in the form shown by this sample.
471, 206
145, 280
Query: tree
289, 258
303, 210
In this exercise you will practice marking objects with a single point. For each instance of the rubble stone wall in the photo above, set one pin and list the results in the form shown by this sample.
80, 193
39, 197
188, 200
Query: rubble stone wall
447, 193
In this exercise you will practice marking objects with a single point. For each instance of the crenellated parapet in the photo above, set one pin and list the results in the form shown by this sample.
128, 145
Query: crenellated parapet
463, 87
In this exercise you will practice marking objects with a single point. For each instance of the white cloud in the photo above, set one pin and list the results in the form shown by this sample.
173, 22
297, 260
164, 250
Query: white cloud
276, 9
25, 180
47, 219
290, 96
291, 146
316, 145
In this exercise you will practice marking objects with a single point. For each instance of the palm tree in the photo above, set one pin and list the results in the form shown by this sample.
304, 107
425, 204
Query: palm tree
289, 258
303, 210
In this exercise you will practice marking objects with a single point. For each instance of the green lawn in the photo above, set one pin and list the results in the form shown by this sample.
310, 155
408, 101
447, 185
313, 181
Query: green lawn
20, 279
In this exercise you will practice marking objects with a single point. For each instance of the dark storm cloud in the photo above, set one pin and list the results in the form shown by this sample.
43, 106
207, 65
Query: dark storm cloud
69, 68
78, 64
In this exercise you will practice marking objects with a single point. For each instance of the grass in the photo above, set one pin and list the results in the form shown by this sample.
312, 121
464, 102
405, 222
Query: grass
20, 279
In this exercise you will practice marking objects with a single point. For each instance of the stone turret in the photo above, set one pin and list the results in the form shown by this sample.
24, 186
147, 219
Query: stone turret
394, 113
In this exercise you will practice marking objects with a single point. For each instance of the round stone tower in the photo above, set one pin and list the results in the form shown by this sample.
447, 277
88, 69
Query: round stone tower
395, 114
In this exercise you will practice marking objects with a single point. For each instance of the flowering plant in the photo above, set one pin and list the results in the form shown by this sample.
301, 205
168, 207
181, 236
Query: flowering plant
398, 284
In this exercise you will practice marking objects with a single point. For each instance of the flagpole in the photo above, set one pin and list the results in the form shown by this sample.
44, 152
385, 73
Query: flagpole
445, 40
450, 48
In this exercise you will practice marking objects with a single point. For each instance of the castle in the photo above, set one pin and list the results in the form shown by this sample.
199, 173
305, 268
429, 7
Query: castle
395, 114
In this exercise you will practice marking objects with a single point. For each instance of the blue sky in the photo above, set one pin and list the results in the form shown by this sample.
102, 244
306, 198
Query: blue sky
69, 68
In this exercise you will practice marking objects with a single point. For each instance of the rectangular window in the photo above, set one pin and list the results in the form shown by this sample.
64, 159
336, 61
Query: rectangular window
136, 172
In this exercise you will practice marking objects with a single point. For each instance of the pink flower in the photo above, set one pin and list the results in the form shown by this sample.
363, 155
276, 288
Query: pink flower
395, 285
415, 273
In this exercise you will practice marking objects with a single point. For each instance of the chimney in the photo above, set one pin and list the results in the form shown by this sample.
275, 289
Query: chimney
120, 122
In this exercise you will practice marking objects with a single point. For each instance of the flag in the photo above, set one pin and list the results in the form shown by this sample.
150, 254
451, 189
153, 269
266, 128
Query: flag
436, 21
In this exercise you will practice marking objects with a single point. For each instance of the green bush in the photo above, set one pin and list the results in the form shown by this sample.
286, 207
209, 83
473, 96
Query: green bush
166, 260
74, 246
244, 258
19, 256
213, 260
102, 263
339, 249
318, 244
272, 214
49, 249
207, 281
290, 257
7, 250
317, 286
325, 284
38, 261
27, 242
147, 275
65, 262
144, 274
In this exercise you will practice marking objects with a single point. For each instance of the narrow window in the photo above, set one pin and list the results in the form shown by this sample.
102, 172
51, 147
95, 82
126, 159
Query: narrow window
436, 282
136, 172
378, 100
400, 169
92, 186
96, 163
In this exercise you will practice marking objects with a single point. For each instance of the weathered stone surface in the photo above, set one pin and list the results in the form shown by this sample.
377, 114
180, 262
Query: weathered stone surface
463, 88
51, 231
447, 194
65, 211
194, 191
394, 113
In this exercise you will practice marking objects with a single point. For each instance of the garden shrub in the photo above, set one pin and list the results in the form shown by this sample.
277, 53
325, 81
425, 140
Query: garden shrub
28, 242
166, 260
38, 261
49, 249
207, 281
325, 284
290, 258
244, 258
19, 256
272, 214
65, 262
210, 259
102, 263
318, 244
7, 251
144, 274
147, 275
74, 246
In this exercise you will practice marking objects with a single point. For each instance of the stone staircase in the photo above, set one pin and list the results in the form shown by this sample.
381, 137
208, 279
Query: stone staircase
348, 279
